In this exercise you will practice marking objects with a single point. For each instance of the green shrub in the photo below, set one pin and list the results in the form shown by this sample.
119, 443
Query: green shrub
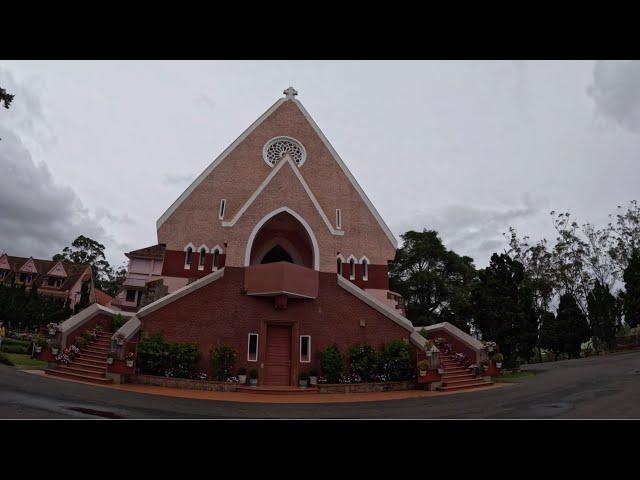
222, 360
158, 357
24, 350
80, 341
332, 363
118, 321
313, 372
242, 371
183, 359
304, 376
253, 374
396, 361
363, 361
5, 361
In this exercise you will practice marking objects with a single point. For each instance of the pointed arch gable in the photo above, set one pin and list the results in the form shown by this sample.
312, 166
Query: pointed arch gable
299, 218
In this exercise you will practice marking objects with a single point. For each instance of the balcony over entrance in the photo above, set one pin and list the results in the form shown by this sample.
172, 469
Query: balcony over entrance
281, 279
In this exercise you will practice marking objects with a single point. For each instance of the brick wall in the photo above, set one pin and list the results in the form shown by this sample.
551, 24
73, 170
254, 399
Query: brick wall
219, 314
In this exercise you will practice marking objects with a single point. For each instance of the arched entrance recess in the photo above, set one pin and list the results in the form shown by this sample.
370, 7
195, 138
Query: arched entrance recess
282, 235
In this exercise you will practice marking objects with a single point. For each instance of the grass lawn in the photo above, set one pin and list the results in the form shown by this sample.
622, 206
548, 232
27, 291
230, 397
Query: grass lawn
512, 377
25, 361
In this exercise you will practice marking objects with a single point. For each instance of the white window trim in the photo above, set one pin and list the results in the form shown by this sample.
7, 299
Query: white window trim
213, 251
309, 346
249, 346
223, 207
365, 272
187, 266
352, 275
206, 250
342, 262
338, 219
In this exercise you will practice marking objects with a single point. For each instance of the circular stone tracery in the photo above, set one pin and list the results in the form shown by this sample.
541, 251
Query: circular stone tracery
278, 147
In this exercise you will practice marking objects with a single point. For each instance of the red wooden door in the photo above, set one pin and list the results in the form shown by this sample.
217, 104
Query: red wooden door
278, 355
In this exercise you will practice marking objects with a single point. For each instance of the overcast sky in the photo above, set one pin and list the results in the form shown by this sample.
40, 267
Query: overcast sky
466, 148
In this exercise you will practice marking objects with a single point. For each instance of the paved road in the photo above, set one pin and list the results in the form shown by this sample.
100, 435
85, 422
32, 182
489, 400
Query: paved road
598, 387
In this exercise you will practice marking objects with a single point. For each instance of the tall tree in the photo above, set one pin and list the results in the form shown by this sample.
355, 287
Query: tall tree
625, 234
631, 295
603, 314
5, 97
504, 308
573, 325
87, 251
435, 282
551, 337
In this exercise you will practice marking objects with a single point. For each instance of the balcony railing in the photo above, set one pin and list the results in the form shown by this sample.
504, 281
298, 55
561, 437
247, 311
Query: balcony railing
281, 278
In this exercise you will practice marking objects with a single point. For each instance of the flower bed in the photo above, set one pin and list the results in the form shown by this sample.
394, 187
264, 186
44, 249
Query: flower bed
184, 383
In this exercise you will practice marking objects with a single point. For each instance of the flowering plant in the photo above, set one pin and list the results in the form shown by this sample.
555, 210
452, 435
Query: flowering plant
232, 379
423, 365
53, 328
350, 378
489, 346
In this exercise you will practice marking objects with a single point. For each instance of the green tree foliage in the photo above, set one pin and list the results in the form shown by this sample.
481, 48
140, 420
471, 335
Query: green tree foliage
574, 327
631, 296
504, 309
5, 97
435, 282
551, 337
396, 361
603, 314
87, 251
332, 363
29, 308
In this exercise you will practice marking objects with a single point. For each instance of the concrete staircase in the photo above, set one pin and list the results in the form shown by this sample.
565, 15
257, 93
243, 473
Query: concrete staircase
457, 376
90, 365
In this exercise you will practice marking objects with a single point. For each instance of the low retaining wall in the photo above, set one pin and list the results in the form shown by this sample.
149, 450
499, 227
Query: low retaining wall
184, 383
366, 387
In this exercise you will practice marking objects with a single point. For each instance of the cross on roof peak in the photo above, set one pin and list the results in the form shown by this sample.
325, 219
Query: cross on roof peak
290, 92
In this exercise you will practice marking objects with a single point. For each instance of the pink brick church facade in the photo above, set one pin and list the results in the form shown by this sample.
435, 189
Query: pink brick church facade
274, 250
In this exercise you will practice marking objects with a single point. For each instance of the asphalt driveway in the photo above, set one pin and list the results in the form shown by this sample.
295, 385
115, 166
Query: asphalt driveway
597, 387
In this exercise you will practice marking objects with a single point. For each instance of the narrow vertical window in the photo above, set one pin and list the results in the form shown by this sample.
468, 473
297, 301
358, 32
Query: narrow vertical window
252, 349
187, 256
365, 269
305, 348
223, 204
216, 259
352, 269
201, 260
339, 266
338, 218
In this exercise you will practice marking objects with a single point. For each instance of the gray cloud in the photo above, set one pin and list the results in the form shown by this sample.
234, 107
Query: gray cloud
173, 179
615, 89
38, 216
205, 101
476, 232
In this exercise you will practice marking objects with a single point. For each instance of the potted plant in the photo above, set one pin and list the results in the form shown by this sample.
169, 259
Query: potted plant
79, 341
423, 366
498, 358
39, 343
253, 377
98, 328
440, 370
313, 376
242, 375
55, 349
53, 328
120, 339
130, 357
110, 358
304, 379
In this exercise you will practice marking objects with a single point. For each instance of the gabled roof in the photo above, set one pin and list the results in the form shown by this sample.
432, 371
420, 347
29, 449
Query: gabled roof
29, 267
58, 270
154, 251
74, 271
252, 127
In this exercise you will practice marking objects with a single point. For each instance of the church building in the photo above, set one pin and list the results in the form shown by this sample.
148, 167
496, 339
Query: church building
274, 250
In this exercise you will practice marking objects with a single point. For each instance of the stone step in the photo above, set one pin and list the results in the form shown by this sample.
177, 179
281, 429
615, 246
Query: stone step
93, 356
480, 383
94, 367
465, 381
78, 376
83, 358
96, 350
457, 376
89, 371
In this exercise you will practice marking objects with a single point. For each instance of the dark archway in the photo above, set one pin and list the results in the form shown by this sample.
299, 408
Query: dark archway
277, 254
282, 238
